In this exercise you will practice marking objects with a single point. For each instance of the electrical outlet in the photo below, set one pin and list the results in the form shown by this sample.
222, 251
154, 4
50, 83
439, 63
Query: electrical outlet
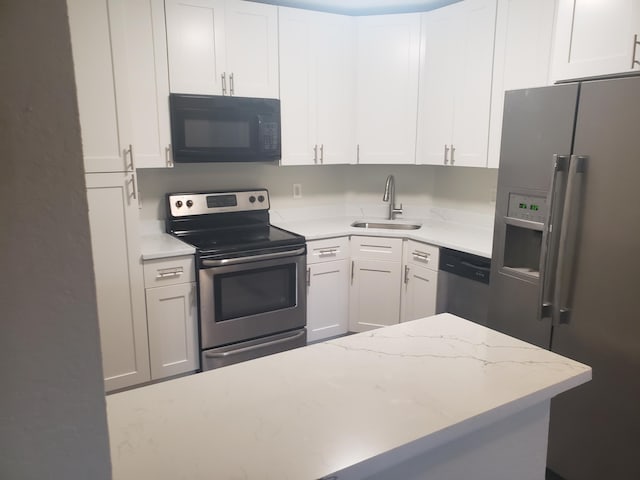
297, 190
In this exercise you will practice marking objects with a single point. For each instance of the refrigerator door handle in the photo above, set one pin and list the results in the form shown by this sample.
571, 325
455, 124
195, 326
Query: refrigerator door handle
568, 240
551, 234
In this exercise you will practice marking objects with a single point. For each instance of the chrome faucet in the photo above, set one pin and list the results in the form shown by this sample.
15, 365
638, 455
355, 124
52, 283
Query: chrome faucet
390, 196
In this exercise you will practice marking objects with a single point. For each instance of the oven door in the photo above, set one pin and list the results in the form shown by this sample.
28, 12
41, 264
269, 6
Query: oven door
249, 297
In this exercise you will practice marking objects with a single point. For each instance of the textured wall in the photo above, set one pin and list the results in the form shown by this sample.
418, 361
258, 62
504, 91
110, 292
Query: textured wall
52, 407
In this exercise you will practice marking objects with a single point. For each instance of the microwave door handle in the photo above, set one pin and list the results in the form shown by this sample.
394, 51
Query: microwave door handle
253, 258
551, 234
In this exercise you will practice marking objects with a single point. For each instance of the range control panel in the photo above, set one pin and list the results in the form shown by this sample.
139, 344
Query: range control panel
527, 207
187, 204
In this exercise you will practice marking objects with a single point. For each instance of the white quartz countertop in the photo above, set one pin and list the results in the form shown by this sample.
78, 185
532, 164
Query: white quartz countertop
470, 238
163, 245
313, 411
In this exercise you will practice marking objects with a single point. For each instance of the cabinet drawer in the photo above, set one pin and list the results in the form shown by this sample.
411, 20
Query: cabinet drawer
378, 248
421, 254
169, 271
327, 250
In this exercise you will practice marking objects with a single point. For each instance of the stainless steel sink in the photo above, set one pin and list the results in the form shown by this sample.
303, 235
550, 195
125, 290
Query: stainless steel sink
388, 226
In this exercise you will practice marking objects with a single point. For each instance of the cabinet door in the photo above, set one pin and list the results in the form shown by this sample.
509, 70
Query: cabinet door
298, 101
327, 299
195, 41
595, 38
105, 131
472, 100
524, 34
374, 295
437, 75
251, 42
419, 292
387, 87
141, 74
335, 88
113, 219
172, 318
455, 85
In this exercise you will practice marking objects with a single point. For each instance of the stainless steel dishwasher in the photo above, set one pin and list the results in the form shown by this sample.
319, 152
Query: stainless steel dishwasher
463, 285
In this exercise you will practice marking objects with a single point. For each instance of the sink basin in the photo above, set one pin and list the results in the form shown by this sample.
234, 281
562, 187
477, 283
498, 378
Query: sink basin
386, 225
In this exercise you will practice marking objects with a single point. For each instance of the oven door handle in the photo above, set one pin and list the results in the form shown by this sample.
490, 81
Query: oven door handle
254, 347
253, 258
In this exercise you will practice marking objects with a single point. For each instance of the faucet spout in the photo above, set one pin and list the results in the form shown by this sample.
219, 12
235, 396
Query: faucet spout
389, 195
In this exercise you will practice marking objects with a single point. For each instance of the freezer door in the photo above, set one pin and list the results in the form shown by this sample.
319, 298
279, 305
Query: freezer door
538, 124
595, 428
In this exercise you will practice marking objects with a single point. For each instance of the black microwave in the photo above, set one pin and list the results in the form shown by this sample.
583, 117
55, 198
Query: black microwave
214, 128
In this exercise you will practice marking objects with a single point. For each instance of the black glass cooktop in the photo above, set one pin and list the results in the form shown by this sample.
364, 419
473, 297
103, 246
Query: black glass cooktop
228, 240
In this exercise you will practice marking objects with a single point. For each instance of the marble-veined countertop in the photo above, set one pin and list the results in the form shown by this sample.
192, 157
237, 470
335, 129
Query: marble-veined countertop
310, 412
471, 238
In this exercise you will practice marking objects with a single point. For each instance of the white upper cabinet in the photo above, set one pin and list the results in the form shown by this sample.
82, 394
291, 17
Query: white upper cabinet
388, 48
317, 79
141, 73
524, 35
120, 63
455, 84
220, 47
105, 132
596, 38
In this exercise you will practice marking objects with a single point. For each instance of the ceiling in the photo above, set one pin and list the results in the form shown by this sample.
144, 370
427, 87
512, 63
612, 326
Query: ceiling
362, 7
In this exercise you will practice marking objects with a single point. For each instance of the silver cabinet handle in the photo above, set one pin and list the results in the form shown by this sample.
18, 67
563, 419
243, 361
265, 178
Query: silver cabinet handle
358, 153
134, 193
321, 154
296, 335
352, 270
168, 156
446, 153
170, 272
551, 234
330, 252
130, 167
224, 83
406, 274
422, 256
634, 62
568, 236
308, 276
231, 89
253, 258
315, 153
453, 151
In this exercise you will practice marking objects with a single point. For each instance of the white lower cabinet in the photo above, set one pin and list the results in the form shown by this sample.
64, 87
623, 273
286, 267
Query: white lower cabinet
327, 288
420, 281
171, 316
113, 219
376, 266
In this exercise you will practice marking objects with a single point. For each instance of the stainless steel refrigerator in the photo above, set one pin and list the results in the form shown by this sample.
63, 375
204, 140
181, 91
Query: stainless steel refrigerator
565, 272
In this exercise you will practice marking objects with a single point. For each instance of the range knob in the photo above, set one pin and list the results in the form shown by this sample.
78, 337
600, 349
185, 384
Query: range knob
261, 198
189, 203
252, 199
178, 203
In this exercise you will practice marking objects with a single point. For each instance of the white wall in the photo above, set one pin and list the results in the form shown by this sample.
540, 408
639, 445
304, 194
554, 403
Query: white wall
355, 189
52, 406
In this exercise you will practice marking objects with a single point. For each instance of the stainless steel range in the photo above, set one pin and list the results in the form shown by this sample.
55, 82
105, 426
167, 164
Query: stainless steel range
251, 275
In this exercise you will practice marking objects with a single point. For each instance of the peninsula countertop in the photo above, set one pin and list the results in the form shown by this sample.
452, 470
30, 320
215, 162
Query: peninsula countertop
313, 411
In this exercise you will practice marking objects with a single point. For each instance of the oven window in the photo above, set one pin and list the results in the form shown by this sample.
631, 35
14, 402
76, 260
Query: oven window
208, 133
251, 292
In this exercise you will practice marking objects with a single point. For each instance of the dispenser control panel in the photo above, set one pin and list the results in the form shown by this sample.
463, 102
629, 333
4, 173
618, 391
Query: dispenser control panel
527, 207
